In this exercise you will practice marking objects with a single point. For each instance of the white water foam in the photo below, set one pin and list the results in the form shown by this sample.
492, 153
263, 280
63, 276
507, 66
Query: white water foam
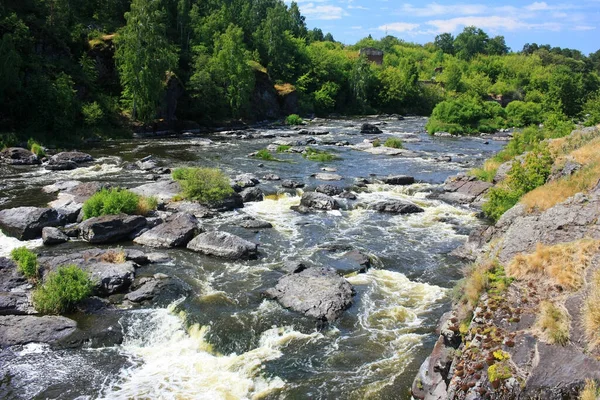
7, 244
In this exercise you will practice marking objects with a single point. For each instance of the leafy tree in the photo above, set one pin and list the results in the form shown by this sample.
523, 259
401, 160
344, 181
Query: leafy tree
362, 80
445, 43
328, 37
315, 35
470, 42
143, 57
496, 46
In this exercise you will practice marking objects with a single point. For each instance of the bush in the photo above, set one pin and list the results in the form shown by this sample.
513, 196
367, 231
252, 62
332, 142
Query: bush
116, 201
318, 155
92, 113
521, 114
394, 143
265, 154
36, 148
27, 262
376, 142
205, 185
283, 148
293, 119
465, 114
8, 140
62, 290
591, 110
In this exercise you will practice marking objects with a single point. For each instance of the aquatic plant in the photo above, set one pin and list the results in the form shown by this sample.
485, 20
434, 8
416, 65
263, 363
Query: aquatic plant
394, 143
318, 155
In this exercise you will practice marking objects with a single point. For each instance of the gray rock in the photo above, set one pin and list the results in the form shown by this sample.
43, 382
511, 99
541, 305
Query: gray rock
197, 210
60, 165
19, 330
73, 156
246, 180
329, 190
155, 288
464, 189
227, 204
348, 195
52, 236
110, 278
158, 258
10, 278
72, 196
289, 184
15, 303
271, 177
110, 228
399, 180
18, 156
176, 231
251, 194
328, 177
396, 207
164, 191
251, 223
223, 244
370, 129
318, 201
26, 223
315, 292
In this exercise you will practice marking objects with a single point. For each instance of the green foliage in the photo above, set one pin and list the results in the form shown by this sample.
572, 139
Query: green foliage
376, 142
283, 148
92, 113
318, 155
206, 185
466, 114
499, 371
27, 262
591, 110
111, 202
36, 148
62, 290
265, 154
394, 143
293, 119
520, 114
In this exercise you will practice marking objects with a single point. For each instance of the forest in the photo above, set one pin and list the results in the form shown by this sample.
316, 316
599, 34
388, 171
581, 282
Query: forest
78, 69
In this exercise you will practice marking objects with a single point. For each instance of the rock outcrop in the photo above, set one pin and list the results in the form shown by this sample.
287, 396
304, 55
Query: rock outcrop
26, 223
18, 156
396, 207
223, 244
16, 329
176, 231
110, 228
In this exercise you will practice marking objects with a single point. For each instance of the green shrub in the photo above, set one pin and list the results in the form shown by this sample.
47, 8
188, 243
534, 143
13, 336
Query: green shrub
466, 115
293, 119
591, 110
27, 262
394, 143
8, 139
62, 290
205, 185
36, 148
318, 155
283, 148
265, 154
111, 202
521, 114
92, 113
376, 143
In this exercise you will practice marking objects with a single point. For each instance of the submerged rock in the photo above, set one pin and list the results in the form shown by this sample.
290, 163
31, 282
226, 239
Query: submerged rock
252, 223
110, 228
396, 207
223, 244
289, 184
26, 223
328, 177
315, 292
18, 330
176, 231
271, 177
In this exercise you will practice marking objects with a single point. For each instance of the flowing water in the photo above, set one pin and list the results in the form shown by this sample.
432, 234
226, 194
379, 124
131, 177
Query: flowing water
225, 340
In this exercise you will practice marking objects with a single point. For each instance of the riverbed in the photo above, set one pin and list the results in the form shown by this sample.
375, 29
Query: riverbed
226, 340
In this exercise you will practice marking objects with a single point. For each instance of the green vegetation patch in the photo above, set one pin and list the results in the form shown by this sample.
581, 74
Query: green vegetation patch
62, 290
206, 185
27, 262
293, 119
36, 148
283, 148
394, 143
318, 155
116, 201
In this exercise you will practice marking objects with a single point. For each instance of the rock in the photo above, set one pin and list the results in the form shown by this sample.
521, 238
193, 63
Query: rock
293, 267
566, 170
19, 330
370, 129
65, 165
315, 292
51, 236
158, 258
289, 184
399, 180
223, 244
164, 191
329, 190
15, 303
246, 180
313, 133
26, 223
443, 159
109, 278
72, 156
328, 177
251, 223
382, 150
271, 177
357, 261
227, 204
72, 196
396, 207
251, 194
146, 163
110, 228
319, 201
197, 210
348, 195
176, 231
464, 189
10, 279
137, 256
18, 156
60, 186
154, 288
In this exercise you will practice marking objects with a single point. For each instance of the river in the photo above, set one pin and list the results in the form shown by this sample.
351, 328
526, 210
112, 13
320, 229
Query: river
225, 340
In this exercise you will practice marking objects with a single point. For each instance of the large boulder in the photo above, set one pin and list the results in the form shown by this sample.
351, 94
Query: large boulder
399, 180
19, 330
52, 236
176, 231
110, 228
290, 184
15, 303
223, 244
318, 201
251, 194
464, 189
370, 129
189, 207
329, 190
159, 287
18, 156
26, 223
396, 207
164, 191
315, 292
74, 156
71, 196
245, 180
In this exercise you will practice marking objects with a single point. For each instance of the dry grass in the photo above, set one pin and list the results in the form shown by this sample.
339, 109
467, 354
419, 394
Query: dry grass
591, 391
564, 264
550, 194
591, 312
285, 89
553, 322
146, 204
116, 256
488, 171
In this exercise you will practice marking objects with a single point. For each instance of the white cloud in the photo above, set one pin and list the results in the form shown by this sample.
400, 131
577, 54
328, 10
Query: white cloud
435, 9
491, 23
398, 27
322, 12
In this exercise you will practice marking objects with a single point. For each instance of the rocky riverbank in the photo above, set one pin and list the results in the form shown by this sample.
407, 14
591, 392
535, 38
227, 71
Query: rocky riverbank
526, 325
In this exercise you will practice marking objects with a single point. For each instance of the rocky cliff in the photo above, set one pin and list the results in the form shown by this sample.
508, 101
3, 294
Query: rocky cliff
526, 321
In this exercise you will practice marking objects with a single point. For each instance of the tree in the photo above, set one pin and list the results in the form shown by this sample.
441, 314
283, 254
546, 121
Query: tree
470, 42
328, 37
315, 35
361, 81
445, 43
298, 21
496, 46
143, 57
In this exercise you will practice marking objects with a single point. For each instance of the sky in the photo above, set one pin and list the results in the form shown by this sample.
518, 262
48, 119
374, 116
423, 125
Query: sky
573, 24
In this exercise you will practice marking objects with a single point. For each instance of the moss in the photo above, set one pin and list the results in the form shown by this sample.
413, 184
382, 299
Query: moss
501, 355
499, 371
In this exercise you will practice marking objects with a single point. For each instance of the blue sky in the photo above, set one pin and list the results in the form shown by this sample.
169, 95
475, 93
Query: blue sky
574, 24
